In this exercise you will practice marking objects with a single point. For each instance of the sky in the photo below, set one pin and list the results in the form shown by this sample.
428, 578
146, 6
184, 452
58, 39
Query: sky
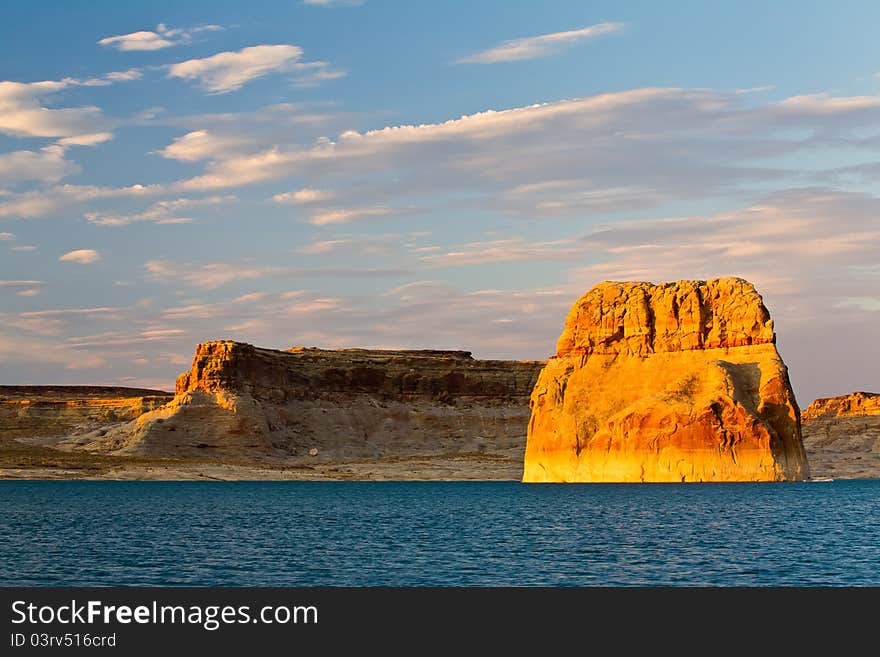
449, 175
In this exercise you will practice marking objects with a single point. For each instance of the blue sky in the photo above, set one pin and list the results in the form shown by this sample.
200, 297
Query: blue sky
409, 174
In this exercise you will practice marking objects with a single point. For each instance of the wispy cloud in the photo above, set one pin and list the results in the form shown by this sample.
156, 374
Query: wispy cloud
229, 71
351, 215
163, 37
81, 256
217, 274
86, 140
385, 245
203, 145
543, 45
304, 196
162, 212
516, 249
47, 164
26, 283
124, 76
39, 203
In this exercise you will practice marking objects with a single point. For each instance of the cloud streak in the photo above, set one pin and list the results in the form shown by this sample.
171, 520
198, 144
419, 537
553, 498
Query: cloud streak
161, 212
163, 37
543, 45
229, 71
81, 256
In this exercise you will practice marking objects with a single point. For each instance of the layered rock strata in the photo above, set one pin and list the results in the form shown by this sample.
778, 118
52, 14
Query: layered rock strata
241, 401
28, 412
676, 382
842, 436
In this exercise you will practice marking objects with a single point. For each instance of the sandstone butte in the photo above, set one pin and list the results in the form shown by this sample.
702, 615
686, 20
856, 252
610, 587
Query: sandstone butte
842, 435
676, 382
238, 401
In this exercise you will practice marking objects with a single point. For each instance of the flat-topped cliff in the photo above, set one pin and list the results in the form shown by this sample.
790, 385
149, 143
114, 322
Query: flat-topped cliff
240, 401
61, 411
842, 435
671, 382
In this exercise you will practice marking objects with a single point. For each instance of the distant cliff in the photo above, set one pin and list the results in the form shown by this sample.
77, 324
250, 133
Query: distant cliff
241, 401
842, 435
671, 382
61, 411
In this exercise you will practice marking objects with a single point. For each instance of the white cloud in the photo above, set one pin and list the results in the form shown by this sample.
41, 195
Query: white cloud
583, 158
99, 311
163, 37
515, 249
18, 348
385, 245
229, 71
124, 76
22, 114
86, 140
217, 274
6, 236
39, 203
143, 40
303, 196
350, 215
8, 283
323, 247
47, 164
803, 244
316, 73
81, 256
24, 247
507, 146
210, 275
161, 212
203, 145
539, 46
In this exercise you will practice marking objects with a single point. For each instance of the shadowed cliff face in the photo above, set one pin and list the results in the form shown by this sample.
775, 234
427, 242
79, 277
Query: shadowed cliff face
842, 435
238, 400
671, 382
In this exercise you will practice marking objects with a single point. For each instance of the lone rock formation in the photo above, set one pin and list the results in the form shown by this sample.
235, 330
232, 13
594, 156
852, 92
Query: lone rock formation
673, 382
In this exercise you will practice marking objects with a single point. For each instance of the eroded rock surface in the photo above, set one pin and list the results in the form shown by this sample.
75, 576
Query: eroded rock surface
241, 401
665, 383
46, 412
842, 436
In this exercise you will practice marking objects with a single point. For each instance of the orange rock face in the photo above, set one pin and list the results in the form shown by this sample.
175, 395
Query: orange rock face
857, 404
675, 382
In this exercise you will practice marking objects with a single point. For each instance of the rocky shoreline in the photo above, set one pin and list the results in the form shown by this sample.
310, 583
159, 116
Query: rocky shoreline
845, 445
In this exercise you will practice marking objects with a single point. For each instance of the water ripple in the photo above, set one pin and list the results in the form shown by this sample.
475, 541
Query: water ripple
438, 533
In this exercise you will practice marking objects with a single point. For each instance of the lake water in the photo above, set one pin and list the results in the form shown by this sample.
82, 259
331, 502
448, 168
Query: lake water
438, 533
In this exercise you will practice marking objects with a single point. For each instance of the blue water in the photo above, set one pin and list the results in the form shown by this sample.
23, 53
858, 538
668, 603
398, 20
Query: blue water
438, 533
